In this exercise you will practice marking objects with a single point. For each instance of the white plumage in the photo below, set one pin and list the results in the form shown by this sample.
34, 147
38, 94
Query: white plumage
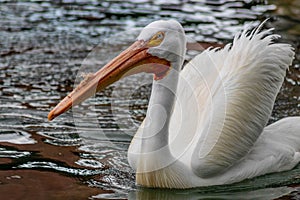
237, 98
223, 102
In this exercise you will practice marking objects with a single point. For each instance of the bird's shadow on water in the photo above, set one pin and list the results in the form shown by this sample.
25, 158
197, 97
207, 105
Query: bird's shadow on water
271, 186
267, 187
263, 194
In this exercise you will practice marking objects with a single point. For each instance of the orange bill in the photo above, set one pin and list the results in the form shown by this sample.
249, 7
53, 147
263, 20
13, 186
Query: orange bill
135, 59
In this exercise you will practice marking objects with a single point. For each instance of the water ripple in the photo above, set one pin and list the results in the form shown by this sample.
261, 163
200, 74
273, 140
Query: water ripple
56, 167
16, 136
4, 153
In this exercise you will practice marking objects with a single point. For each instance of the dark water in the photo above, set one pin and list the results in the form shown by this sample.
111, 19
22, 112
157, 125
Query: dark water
46, 45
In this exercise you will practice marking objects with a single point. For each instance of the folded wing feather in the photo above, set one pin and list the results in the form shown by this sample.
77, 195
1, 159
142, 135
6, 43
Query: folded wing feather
235, 89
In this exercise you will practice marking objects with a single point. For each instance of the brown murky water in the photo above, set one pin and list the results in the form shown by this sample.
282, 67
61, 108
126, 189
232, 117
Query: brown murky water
46, 45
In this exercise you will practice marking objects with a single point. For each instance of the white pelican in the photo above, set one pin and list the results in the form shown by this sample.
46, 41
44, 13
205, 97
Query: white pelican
205, 124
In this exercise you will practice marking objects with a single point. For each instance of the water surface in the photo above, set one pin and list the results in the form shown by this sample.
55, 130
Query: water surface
45, 46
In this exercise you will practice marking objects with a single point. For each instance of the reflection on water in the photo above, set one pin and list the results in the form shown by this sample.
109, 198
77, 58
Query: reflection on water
47, 46
261, 194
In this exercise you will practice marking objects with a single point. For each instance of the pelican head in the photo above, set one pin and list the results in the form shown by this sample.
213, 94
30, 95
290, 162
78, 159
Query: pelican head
159, 48
171, 46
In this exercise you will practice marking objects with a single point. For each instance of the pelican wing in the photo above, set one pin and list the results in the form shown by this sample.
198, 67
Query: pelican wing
225, 98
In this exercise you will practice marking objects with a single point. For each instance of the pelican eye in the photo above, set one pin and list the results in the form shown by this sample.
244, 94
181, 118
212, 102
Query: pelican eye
156, 39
